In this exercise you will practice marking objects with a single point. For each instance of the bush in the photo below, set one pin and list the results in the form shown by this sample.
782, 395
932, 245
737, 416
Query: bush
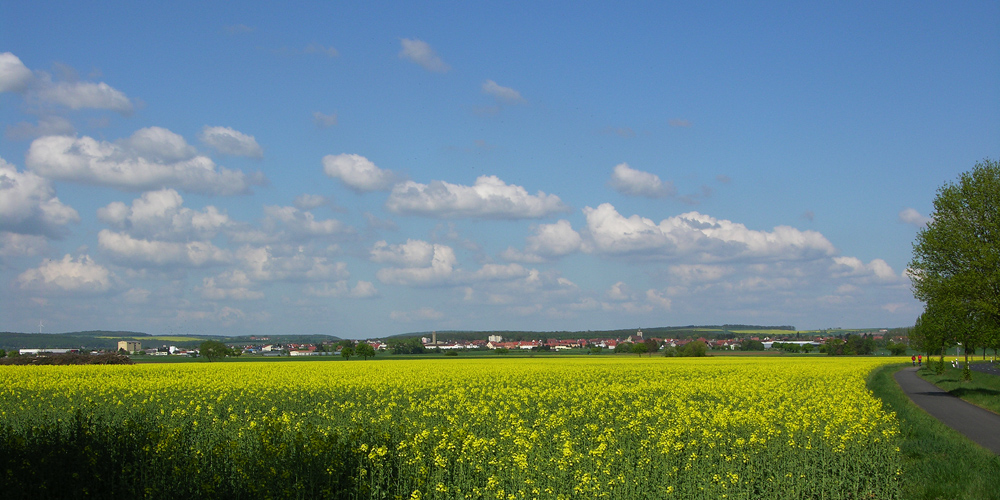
69, 359
695, 349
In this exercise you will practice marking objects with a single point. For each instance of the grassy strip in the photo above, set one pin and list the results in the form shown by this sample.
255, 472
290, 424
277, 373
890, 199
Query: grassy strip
938, 462
983, 390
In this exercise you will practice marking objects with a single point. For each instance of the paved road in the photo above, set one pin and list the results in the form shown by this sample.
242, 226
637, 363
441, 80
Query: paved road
991, 368
979, 425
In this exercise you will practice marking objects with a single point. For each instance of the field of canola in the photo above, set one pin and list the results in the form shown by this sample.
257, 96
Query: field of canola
601, 427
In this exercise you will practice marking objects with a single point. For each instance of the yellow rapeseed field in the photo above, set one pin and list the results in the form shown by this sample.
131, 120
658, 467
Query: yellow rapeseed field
595, 427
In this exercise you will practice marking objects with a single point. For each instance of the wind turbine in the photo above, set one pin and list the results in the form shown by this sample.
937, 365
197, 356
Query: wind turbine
40, 325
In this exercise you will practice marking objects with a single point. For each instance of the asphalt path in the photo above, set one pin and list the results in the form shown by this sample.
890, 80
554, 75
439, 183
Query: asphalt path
991, 368
979, 425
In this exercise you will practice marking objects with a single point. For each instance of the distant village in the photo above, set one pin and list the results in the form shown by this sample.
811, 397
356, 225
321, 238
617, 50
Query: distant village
261, 345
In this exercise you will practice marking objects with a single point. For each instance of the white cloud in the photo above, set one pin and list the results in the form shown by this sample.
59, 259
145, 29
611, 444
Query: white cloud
549, 241
234, 285
422, 314
323, 120
911, 216
28, 204
700, 237
502, 94
877, 270
631, 182
358, 173
618, 292
267, 264
231, 142
85, 95
340, 289
423, 264
421, 53
657, 299
489, 197
21, 245
310, 201
698, 273
413, 253
152, 158
160, 215
47, 125
79, 275
151, 252
14, 75
292, 223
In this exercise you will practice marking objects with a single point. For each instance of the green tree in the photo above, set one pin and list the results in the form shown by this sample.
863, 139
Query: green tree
623, 347
751, 345
214, 350
347, 352
956, 257
651, 346
365, 350
408, 346
640, 348
694, 349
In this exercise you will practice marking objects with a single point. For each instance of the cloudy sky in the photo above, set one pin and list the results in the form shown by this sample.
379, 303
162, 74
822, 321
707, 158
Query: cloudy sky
220, 168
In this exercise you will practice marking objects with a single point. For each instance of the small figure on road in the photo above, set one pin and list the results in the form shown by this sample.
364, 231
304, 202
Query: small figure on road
913, 360
920, 360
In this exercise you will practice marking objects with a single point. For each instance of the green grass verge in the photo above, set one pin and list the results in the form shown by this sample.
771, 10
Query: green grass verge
938, 462
983, 390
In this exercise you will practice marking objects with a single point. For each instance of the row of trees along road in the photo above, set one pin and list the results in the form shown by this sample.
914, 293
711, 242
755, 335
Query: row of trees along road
955, 268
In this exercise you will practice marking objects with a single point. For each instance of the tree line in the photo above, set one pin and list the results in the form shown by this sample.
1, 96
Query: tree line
955, 268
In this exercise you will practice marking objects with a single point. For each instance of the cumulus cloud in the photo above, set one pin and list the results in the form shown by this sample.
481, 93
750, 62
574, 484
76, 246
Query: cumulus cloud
697, 236
85, 95
231, 142
502, 94
267, 264
294, 224
340, 289
358, 173
152, 158
489, 198
28, 204
413, 253
548, 241
420, 263
877, 270
323, 120
21, 245
47, 125
310, 201
234, 285
420, 52
76, 275
160, 215
150, 252
16, 77
631, 182
911, 216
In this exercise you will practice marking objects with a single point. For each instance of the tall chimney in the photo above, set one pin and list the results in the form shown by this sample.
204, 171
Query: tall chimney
434, 338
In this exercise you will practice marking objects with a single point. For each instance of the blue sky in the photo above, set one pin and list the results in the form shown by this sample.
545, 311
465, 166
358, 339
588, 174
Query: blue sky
361, 171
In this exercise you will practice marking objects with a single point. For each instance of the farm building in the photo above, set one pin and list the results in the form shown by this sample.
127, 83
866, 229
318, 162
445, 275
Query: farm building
130, 346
